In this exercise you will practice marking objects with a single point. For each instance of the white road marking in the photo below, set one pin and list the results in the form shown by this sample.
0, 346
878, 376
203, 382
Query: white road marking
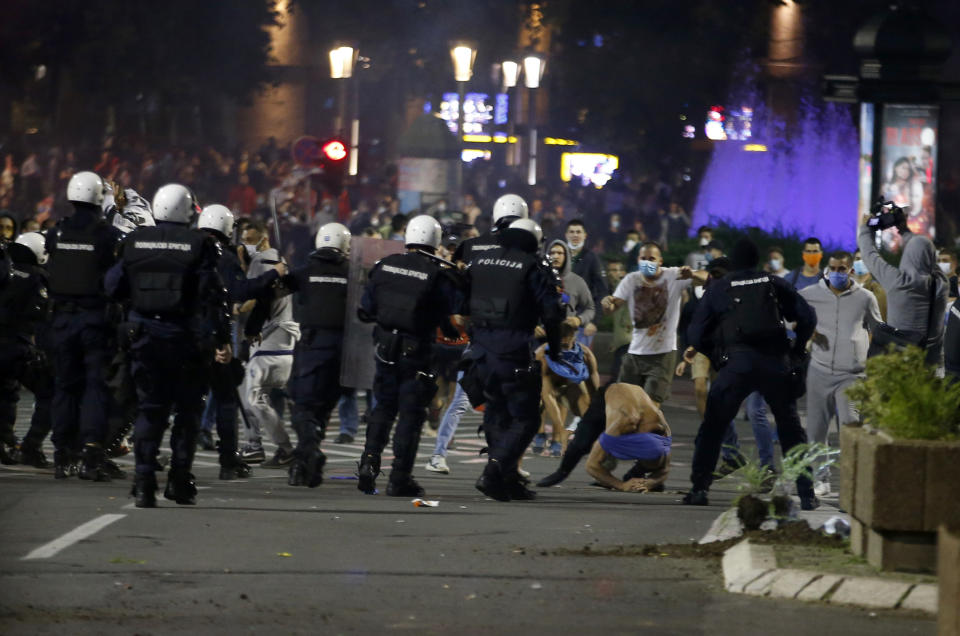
79, 533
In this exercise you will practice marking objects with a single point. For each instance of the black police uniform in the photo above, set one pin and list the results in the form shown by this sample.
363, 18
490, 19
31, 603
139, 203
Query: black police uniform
314, 385
179, 306
24, 312
471, 248
511, 290
224, 378
740, 320
82, 248
409, 295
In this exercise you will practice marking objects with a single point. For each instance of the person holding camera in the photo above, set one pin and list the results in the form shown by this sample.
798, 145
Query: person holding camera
916, 289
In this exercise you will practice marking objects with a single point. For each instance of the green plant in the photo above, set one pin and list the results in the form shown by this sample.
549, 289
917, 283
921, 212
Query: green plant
903, 396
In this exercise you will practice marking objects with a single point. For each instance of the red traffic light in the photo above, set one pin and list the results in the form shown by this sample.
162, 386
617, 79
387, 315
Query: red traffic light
334, 150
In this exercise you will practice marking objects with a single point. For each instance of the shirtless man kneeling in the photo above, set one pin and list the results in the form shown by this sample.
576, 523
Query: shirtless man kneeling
635, 430
568, 385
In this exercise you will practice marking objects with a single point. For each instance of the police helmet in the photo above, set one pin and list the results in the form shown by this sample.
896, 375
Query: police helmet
85, 187
174, 203
37, 243
509, 205
335, 236
216, 217
423, 230
530, 226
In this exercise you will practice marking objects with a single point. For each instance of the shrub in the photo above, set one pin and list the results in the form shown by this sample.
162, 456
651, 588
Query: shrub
903, 396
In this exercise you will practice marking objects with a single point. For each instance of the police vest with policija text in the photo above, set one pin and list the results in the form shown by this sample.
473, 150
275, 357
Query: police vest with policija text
322, 297
403, 284
499, 297
754, 318
162, 263
74, 265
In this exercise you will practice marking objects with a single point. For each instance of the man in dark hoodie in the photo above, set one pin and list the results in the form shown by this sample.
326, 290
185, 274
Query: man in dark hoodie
744, 313
910, 287
82, 248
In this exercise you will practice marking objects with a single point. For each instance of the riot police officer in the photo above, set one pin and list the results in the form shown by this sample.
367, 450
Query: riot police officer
218, 221
408, 295
23, 315
82, 248
506, 209
511, 290
178, 309
740, 319
314, 385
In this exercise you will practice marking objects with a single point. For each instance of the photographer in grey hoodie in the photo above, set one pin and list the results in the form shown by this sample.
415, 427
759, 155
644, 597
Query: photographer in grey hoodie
908, 286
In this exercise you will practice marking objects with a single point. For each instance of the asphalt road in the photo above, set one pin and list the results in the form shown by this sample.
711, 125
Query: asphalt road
259, 555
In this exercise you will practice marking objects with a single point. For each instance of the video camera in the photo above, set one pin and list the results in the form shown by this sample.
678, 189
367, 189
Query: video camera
886, 214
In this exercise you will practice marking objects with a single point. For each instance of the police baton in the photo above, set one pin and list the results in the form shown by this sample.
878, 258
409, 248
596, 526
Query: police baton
276, 223
442, 261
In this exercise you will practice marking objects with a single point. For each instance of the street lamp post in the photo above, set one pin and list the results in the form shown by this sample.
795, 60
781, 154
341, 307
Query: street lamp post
533, 66
343, 57
463, 55
511, 73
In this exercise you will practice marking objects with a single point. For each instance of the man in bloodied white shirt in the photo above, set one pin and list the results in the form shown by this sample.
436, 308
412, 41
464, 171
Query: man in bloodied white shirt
653, 297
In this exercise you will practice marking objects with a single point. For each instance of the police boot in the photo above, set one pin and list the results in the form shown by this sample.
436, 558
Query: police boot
111, 469
61, 464
491, 482
403, 485
181, 487
367, 472
91, 467
309, 471
31, 456
517, 490
7, 455
235, 470
144, 491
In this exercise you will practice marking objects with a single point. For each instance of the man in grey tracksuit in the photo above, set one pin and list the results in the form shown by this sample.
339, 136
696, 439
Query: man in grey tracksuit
846, 311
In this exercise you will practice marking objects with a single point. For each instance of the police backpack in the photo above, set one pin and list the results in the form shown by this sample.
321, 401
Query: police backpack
754, 318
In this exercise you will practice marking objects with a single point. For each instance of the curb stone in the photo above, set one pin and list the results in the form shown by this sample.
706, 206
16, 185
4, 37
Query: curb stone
751, 569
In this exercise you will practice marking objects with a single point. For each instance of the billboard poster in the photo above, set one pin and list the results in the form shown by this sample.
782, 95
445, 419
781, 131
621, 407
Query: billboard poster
909, 165
865, 181
357, 366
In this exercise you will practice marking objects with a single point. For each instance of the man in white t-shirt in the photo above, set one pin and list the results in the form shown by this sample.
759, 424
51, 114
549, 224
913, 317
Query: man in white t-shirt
653, 297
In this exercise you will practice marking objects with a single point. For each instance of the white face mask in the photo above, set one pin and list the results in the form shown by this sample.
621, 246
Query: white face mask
944, 267
629, 245
698, 291
704, 242
574, 246
776, 264
251, 249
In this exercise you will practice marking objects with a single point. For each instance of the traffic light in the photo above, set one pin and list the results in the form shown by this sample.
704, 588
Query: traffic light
333, 155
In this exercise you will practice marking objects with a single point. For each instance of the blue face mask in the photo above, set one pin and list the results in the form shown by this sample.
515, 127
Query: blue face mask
860, 268
708, 256
838, 280
648, 268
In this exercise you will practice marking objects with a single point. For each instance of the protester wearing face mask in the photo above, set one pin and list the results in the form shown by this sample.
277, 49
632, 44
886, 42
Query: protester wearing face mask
653, 294
775, 263
846, 312
697, 259
809, 274
862, 276
947, 262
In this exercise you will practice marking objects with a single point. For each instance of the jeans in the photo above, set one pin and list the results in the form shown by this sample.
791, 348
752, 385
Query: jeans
762, 433
451, 419
349, 416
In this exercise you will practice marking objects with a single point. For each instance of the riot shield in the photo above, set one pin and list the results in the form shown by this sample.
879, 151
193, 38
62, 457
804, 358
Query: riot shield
357, 366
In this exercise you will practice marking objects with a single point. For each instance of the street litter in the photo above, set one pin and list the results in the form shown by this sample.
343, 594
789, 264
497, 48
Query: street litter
420, 503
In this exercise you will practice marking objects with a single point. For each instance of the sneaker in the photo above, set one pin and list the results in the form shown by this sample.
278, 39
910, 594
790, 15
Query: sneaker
438, 464
344, 438
696, 498
572, 426
252, 454
538, 443
235, 470
809, 502
205, 440
280, 459
821, 488
556, 449
729, 465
